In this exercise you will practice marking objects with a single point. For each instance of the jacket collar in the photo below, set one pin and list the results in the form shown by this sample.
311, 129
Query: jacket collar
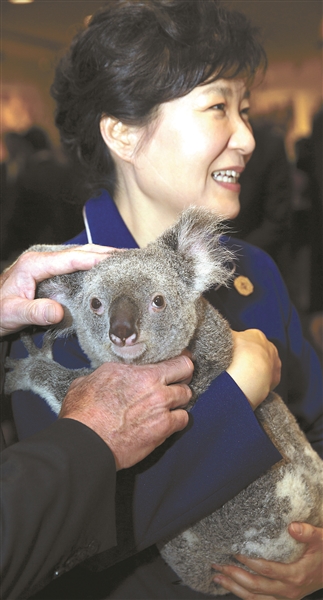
104, 225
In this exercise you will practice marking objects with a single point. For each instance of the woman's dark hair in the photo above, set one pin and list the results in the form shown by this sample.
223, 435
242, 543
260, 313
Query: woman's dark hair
135, 55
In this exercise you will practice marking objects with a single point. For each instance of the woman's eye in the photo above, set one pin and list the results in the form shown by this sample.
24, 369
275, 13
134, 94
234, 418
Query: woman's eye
245, 113
220, 106
158, 301
96, 305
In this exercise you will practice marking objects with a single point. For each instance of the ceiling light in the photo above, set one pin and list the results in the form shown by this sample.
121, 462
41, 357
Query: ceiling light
21, 1
87, 20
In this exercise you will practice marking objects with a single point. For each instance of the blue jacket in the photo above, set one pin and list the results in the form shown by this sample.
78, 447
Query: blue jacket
224, 448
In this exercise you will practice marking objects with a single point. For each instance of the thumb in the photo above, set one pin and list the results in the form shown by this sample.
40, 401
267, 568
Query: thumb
303, 532
40, 312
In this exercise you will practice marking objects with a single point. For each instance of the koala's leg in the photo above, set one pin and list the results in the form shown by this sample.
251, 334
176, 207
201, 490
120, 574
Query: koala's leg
39, 373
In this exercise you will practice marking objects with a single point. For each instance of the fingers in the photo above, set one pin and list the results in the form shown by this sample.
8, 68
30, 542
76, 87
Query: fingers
76, 259
177, 396
40, 312
267, 568
20, 313
256, 366
48, 264
238, 589
18, 284
178, 421
306, 533
97, 248
274, 579
176, 370
277, 366
262, 585
130, 406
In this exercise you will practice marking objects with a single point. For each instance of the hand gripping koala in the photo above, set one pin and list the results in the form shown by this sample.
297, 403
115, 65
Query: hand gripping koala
144, 306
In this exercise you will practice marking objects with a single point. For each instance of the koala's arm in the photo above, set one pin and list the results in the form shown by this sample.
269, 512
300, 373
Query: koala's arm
212, 348
39, 373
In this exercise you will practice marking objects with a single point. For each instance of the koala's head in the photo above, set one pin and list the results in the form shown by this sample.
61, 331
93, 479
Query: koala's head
143, 305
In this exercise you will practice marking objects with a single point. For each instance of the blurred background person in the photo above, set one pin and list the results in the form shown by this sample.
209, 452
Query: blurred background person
40, 195
266, 196
309, 162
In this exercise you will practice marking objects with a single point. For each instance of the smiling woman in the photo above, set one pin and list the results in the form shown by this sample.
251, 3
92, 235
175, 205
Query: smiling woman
173, 47
209, 133
153, 98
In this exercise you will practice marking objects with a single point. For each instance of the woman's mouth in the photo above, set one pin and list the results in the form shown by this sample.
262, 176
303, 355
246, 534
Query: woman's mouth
227, 176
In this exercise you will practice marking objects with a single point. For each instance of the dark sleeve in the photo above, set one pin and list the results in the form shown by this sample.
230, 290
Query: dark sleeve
57, 505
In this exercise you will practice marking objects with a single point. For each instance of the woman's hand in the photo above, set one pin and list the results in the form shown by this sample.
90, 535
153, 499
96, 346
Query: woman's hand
277, 580
18, 284
256, 365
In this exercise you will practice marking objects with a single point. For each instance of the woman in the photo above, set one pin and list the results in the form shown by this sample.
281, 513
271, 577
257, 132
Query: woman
153, 97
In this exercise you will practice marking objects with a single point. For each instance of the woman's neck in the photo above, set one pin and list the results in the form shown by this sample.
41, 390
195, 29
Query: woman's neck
145, 219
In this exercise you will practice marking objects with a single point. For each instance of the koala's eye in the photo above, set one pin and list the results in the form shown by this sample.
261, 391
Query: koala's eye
158, 302
97, 306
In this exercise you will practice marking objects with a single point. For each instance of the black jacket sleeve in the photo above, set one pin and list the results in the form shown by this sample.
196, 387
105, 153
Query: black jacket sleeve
57, 505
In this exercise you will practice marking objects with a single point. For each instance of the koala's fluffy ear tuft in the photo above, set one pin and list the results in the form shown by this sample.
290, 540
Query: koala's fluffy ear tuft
63, 289
196, 237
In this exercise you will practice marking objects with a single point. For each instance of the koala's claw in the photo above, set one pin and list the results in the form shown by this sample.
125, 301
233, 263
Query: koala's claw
23, 371
10, 363
33, 350
18, 378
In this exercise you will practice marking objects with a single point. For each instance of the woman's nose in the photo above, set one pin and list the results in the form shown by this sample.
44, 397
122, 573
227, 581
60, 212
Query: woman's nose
242, 137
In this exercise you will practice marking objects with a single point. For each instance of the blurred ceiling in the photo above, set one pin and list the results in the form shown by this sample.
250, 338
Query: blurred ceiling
35, 35
291, 28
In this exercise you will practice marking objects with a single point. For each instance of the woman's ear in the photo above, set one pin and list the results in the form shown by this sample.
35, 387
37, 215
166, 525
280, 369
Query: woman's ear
120, 138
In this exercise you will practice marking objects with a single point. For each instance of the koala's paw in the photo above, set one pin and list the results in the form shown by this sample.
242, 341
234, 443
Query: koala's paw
39, 373
18, 378
45, 351
24, 370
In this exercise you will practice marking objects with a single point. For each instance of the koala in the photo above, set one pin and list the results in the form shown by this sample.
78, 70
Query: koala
138, 306
146, 305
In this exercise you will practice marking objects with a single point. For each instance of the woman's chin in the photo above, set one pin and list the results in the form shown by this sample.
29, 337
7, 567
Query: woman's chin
228, 210
234, 213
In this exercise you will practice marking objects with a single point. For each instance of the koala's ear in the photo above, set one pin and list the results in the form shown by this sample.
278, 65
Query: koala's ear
63, 289
196, 237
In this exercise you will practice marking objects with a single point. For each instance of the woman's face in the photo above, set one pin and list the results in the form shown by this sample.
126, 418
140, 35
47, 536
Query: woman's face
199, 147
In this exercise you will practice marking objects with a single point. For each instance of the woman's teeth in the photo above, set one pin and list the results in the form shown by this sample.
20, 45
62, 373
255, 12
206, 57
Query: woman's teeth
227, 176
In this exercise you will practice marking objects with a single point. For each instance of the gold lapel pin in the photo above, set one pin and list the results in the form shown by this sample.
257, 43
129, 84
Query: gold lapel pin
243, 285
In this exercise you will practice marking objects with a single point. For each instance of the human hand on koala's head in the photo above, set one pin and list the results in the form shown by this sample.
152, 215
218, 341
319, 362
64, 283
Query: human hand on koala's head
18, 284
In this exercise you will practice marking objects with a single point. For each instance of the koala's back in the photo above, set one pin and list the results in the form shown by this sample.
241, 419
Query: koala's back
255, 522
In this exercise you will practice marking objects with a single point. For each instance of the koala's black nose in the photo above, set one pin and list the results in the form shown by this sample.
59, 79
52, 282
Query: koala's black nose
123, 321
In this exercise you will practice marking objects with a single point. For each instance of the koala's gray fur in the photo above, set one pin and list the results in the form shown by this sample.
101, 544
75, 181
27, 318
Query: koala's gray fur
179, 266
130, 325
